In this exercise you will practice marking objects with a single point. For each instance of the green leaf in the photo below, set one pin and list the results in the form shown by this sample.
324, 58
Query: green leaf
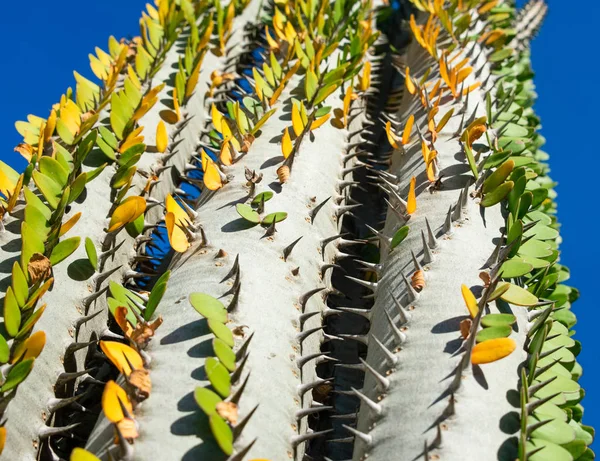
262, 120
311, 84
77, 187
30, 322
64, 132
399, 236
49, 188
498, 177
325, 91
498, 320
91, 175
19, 284
471, 160
222, 433
535, 249
221, 331
322, 111
12, 313
501, 55
53, 169
64, 249
555, 431
108, 137
207, 400
542, 232
92, 254
107, 150
514, 268
263, 196
277, 217
246, 212
493, 333
224, 353
208, 307
17, 375
136, 227
156, 295
218, 376
549, 451
497, 195
31, 243
517, 295
4, 350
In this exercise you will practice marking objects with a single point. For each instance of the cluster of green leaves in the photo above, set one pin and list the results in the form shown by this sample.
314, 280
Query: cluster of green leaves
551, 413
220, 370
251, 212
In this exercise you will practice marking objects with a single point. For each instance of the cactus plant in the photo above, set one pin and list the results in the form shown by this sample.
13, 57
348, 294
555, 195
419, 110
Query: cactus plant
231, 292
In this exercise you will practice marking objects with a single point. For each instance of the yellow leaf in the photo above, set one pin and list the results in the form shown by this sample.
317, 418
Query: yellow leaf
487, 7
162, 137
463, 74
31, 348
3, 439
410, 86
132, 139
348, 97
112, 398
392, 138
286, 143
470, 301
70, 115
172, 206
228, 134
66, 227
407, 129
212, 175
270, 40
365, 79
431, 166
121, 355
50, 125
176, 104
318, 122
444, 120
217, 118
411, 203
79, 454
492, 350
128, 211
473, 87
177, 236
226, 154
297, 124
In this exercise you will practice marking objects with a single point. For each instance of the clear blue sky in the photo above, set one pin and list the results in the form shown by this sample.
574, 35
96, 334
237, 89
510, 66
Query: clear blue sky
45, 41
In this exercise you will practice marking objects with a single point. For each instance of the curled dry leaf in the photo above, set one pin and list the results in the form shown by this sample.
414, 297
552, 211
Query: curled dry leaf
141, 383
465, 328
39, 268
228, 411
283, 173
418, 280
25, 150
485, 277
128, 429
144, 331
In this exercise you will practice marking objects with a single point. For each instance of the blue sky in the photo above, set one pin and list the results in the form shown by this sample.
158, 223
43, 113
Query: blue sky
46, 41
